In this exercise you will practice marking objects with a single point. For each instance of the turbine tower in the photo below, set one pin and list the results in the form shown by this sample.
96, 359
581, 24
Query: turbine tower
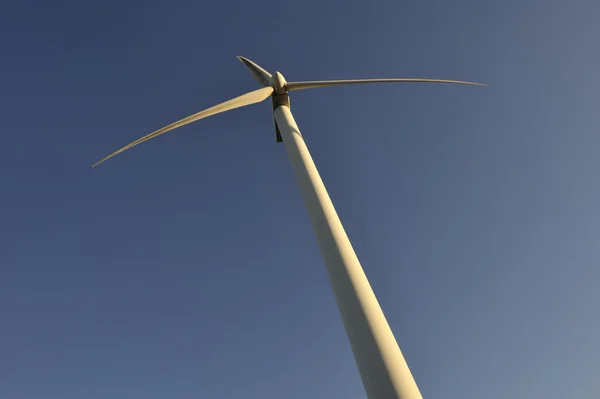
381, 365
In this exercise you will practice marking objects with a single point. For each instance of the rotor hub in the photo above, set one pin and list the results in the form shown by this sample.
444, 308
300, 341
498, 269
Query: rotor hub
278, 83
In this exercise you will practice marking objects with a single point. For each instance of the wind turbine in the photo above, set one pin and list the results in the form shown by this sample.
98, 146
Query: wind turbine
381, 365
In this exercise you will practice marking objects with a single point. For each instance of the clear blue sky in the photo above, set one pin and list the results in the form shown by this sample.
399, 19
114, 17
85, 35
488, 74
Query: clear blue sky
187, 267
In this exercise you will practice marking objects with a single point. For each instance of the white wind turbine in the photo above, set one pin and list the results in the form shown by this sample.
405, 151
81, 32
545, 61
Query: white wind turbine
383, 370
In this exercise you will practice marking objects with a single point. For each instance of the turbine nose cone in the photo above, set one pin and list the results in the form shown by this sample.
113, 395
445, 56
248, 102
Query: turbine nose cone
278, 82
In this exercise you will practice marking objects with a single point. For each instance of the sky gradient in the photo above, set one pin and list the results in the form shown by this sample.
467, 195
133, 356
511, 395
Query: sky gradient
186, 267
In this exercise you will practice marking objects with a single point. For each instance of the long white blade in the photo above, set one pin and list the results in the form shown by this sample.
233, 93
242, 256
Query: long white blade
326, 83
253, 97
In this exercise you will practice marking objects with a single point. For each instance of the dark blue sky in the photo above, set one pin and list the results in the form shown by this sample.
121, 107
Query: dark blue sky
187, 267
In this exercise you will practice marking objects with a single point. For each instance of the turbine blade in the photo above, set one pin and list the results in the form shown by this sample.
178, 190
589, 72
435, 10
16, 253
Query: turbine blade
253, 97
326, 83
260, 75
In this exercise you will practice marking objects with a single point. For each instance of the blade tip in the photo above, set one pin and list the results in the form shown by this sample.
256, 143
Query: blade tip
99, 162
